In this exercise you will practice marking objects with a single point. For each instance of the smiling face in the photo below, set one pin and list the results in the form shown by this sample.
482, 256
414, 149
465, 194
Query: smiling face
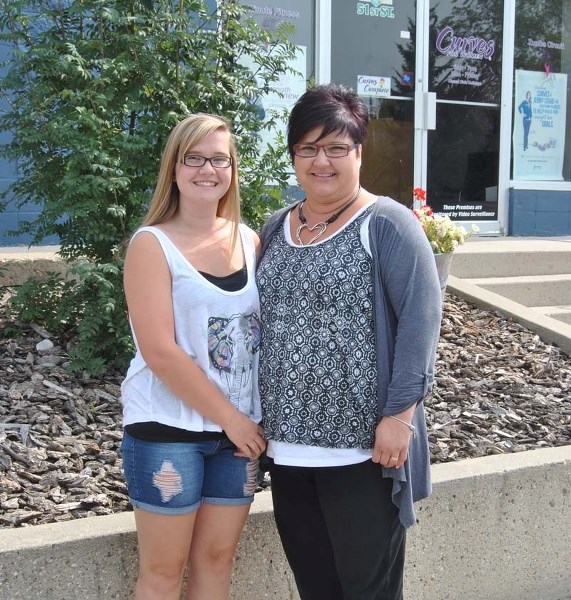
328, 179
206, 183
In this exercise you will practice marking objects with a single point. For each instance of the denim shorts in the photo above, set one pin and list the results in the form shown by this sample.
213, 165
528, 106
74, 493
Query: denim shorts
176, 478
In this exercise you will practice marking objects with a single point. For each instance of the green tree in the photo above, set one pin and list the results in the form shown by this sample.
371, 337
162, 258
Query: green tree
93, 88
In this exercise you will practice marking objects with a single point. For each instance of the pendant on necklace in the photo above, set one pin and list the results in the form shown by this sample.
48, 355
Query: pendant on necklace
321, 227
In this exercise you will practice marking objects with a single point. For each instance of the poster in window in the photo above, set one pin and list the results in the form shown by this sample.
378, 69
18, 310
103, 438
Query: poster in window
540, 107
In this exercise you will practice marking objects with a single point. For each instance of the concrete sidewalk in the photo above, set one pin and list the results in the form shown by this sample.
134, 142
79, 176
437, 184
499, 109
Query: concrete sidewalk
28, 253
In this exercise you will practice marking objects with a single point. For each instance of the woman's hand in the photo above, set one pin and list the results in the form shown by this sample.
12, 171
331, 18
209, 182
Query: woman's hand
391, 441
246, 436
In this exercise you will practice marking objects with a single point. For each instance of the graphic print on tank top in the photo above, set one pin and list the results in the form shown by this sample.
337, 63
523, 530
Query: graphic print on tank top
232, 344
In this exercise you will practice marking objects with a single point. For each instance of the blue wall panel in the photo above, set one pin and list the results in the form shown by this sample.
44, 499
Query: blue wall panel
12, 215
539, 213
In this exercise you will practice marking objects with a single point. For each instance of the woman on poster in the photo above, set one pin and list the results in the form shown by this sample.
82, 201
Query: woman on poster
525, 109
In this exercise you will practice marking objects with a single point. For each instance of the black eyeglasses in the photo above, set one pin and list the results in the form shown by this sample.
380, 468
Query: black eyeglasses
218, 162
331, 150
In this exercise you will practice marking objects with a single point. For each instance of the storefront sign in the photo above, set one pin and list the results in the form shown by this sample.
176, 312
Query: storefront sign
407, 78
464, 47
463, 74
288, 88
539, 125
376, 8
371, 85
274, 11
270, 17
543, 44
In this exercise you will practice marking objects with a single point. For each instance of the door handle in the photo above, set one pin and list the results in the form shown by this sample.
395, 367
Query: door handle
425, 110
430, 110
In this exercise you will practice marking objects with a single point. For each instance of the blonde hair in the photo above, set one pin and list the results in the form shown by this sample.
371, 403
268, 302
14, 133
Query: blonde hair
182, 138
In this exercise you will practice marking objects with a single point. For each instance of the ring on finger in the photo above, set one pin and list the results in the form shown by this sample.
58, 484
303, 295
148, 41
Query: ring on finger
395, 458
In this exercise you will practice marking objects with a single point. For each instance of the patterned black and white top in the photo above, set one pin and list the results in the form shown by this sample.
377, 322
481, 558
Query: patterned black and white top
317, 360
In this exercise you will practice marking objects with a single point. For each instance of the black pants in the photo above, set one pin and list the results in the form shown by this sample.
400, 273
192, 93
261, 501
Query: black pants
526, 128
340, 531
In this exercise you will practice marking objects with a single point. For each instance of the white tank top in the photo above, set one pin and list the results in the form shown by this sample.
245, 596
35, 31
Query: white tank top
220, 330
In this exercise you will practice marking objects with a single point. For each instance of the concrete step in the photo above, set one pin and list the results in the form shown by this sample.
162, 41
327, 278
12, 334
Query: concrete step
549, 329
533, 274
561, 313
536, 290
512, 263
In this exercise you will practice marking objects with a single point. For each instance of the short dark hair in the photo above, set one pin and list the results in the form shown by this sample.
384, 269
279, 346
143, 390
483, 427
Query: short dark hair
332, 107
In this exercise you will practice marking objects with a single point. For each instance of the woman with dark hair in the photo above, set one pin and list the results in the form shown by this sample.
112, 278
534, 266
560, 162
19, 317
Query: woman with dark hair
351, 307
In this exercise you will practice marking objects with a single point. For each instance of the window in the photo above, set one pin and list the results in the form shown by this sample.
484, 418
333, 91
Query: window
300, 13
542, 62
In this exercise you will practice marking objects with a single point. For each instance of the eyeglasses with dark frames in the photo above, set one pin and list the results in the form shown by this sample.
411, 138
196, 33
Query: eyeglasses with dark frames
331, 150
218, 162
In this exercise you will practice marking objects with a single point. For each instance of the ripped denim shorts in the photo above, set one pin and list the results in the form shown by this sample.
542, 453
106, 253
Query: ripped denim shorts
176, 478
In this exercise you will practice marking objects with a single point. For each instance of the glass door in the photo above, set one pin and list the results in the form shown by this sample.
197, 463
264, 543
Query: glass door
373, 50
463, 60
430, 73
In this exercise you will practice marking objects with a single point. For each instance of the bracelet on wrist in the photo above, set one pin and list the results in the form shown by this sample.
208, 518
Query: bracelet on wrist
411, 427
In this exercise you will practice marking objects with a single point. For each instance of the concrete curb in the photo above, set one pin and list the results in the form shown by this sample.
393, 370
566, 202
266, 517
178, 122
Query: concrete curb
549, 329
495, 528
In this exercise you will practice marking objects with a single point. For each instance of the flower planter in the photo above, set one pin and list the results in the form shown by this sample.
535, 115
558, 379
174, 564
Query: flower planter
443, 266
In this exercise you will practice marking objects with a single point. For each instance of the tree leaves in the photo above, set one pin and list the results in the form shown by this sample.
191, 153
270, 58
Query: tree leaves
93, 88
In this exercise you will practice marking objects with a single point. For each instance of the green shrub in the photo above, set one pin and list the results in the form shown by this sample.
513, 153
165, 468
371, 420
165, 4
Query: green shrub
93, 88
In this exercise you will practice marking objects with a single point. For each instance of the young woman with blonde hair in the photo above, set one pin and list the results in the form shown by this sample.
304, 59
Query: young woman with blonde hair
190, 399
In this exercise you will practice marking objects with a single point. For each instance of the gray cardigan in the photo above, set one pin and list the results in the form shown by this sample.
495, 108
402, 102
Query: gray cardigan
408, 311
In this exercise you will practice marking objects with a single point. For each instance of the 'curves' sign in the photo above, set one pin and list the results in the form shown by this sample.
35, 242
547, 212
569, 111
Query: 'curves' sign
464, 47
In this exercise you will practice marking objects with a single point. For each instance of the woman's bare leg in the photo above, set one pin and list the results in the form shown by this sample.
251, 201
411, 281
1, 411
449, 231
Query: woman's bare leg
214, 541
164, 544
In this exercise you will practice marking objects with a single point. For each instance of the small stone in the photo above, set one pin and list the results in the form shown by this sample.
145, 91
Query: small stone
39, 330
51, 360
44, 345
